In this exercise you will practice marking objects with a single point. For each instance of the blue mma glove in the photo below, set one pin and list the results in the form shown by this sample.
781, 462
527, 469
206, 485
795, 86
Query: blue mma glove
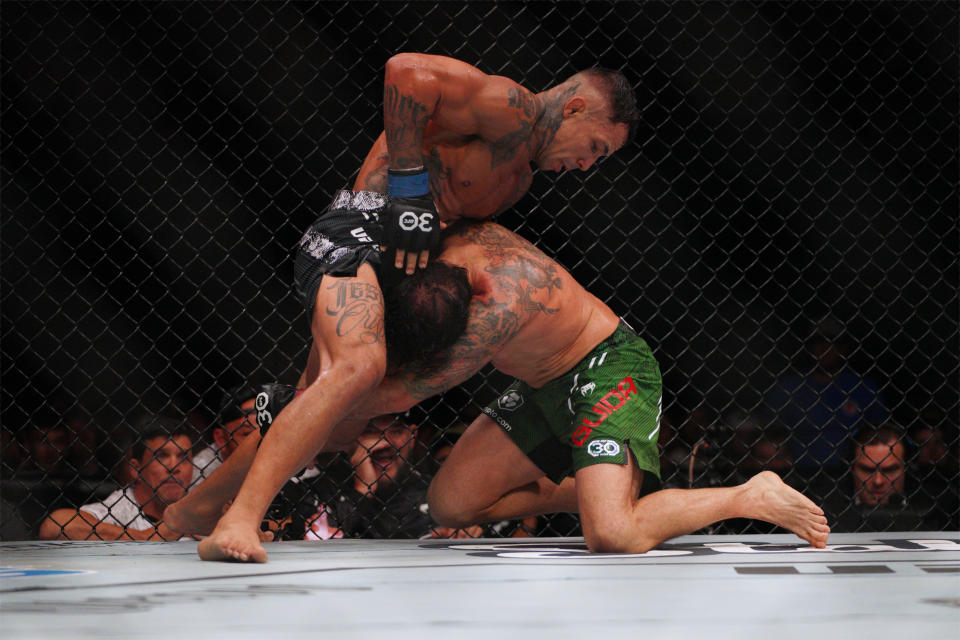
410, 220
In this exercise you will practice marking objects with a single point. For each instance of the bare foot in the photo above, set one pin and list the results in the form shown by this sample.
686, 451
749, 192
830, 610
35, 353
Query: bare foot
770, 500
232, 542
189, 516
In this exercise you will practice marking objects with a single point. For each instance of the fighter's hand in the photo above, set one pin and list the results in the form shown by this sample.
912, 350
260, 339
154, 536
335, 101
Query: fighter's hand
410, 221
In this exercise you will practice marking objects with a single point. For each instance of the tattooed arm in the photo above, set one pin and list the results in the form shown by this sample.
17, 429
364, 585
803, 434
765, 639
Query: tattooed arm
457, 98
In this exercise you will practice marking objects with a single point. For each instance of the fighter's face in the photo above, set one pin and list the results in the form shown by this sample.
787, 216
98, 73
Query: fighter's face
581, 141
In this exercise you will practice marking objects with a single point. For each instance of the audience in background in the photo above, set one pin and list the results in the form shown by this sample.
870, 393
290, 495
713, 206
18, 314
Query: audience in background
822, 407
160, 459
236, 420
878, 493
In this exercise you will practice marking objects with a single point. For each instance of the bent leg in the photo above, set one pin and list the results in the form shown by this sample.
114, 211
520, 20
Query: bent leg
488, 478
615, 521
347, 329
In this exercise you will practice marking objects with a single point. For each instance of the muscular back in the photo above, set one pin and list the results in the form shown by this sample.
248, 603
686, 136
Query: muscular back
533, 320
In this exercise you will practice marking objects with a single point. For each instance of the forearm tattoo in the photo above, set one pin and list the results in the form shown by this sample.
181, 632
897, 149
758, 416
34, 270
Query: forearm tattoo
404, 120
358, 307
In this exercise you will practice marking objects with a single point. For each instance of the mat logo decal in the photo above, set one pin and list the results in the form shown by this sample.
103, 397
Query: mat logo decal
10, 572
578, 550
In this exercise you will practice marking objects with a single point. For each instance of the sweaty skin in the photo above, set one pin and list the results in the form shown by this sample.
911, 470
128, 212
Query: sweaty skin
532, 320
479, 137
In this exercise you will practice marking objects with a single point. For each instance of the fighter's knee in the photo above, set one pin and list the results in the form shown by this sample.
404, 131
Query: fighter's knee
616, 539
446, 511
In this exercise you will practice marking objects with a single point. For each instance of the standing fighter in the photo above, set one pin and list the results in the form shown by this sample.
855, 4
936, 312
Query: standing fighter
456, 143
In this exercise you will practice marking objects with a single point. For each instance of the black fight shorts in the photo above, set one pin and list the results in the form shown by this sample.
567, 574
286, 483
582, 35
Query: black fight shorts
346, 235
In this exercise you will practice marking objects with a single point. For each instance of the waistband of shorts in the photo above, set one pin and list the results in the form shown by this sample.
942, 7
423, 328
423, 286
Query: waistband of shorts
358, 200
623, 333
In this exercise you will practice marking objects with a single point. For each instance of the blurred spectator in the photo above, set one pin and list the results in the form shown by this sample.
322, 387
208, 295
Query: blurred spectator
48, 445
824, 406
877, 495
161, 460
387, 496
235, 421
13, 526
12, 452
83, 447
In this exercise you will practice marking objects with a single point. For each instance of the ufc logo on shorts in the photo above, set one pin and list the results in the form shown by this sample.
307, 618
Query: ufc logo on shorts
410, 221
360, 234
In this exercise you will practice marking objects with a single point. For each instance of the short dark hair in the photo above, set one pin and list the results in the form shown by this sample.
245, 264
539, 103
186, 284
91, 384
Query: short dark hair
619, 94
150, 427
425, 314
871, 435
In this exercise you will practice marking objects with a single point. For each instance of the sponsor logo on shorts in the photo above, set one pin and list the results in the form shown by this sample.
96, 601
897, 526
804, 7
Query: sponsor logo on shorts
605, 448
510, 401
588, 388
612, 401
500, 421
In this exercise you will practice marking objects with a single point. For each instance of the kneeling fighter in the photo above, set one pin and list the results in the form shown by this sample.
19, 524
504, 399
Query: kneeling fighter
577, 431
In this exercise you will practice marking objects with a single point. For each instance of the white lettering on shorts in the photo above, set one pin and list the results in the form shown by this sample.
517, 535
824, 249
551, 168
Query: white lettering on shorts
360, 234
605, 448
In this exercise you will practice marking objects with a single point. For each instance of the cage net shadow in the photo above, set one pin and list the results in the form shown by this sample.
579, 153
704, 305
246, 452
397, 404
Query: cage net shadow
783, 233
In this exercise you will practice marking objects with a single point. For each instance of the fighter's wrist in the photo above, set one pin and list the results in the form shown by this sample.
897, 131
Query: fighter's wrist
408, 183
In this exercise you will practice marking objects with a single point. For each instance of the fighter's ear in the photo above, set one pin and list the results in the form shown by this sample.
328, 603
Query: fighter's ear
576, 104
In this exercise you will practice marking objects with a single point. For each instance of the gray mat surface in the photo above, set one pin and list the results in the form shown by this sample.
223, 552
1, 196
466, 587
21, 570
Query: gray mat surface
891, 585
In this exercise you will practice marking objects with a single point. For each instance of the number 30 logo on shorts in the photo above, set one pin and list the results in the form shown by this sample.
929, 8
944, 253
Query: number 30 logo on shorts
599, 448
410, 221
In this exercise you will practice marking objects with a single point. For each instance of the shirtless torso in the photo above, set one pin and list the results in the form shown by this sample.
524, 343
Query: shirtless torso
528, 317
480, 136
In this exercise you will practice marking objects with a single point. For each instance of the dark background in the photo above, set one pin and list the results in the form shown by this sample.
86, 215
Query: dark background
160, 162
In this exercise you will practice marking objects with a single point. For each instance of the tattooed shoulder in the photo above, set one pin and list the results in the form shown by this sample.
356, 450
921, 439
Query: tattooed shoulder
358, 307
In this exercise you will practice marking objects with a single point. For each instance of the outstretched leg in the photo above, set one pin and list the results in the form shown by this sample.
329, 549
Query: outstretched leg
487, 478
615, 521
348, 335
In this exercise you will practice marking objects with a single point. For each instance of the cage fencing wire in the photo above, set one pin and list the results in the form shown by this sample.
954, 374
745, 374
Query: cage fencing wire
783, 233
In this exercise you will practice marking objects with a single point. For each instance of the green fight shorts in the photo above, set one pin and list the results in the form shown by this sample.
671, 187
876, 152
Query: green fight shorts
608, 403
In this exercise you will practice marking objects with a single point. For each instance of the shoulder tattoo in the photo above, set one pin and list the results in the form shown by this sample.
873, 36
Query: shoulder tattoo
358, 307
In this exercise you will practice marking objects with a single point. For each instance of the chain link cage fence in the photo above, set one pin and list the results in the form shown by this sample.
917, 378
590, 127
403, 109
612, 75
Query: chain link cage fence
783, 232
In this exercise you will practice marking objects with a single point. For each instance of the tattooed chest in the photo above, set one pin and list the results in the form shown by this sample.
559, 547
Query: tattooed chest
467, 183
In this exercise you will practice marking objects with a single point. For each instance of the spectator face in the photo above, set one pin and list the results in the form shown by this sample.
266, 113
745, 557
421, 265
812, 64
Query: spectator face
383, 450
878, 472
231, 434
166, 467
